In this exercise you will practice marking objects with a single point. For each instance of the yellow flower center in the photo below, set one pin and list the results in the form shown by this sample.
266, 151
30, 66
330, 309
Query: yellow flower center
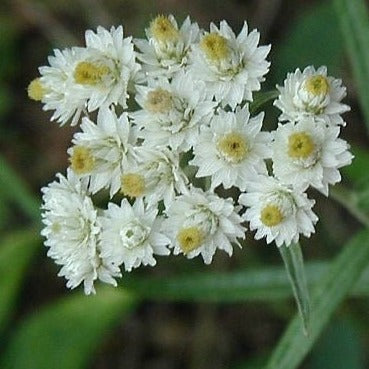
300, 145
162, 29
82, 161
36, 90
190, 239
159, 101
56, 227
317, 85
87, 73
271, 215
132, 185
215, 47
233, 146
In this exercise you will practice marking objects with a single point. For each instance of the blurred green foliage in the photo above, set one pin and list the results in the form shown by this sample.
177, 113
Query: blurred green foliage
314, 38
67, 333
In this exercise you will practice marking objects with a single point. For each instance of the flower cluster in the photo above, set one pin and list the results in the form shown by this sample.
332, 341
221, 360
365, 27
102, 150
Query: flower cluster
164, 128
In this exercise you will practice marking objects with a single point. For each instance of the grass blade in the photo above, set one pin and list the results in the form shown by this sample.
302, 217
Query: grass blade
16, 191
294, 264
66, 333
354, 23
262, 284
16, 251
326, 297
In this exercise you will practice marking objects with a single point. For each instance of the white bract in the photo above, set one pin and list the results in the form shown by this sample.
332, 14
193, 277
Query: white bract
165, 52
103, 149
312, 93
172, 111
309, 153
200, 223
71, 230
131, 235
232, 150
91, 77
110, 69
232, 67
277, 212
156, 176
56, 85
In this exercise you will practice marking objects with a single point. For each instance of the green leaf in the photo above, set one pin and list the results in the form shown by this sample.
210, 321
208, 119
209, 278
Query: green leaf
354, 23
326, 297
348, 350
357, 172
262, 284
67, 333
15, 190
16, 251
351, 201
294, 264
262, 98
313, 39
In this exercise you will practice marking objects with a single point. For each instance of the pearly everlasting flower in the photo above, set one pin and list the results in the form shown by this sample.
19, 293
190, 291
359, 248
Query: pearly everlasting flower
103, 149
172, 112
131, 235
191, 121
90, 77
232, 67
71, 230
200, 223
56, 85
232, 150
311, 93
156, 176
110, 70
277, 211
166, 50
309, 154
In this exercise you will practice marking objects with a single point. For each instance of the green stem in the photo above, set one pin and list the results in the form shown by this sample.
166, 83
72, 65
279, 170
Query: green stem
294, 264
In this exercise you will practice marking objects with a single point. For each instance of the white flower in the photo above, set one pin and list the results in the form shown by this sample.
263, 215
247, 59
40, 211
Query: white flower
90, 77
167, 48
231, 66
131, 235
71, 231
312, 93
201, 222
277, 211
172, 111
102, 150
308, 153
232, 150
109, 70
56, 84
156, 176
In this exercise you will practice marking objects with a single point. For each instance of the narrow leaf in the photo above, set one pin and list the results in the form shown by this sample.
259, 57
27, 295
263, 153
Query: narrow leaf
348, 351
259, 284
15, 190
294, 264
326, 297
262, 98
16, 251
354, 23
67, 333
